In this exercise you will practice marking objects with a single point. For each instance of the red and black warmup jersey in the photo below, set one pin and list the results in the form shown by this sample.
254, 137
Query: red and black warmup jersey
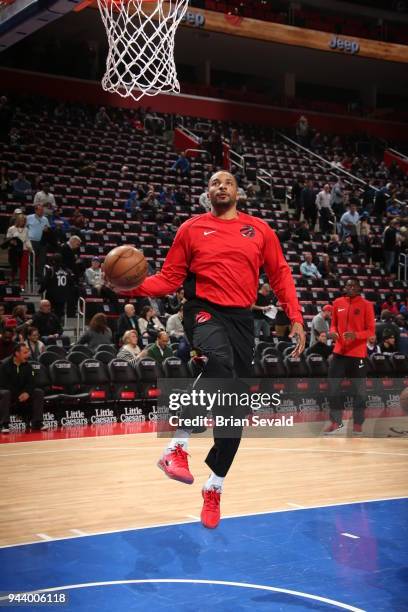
218, 260
354, 314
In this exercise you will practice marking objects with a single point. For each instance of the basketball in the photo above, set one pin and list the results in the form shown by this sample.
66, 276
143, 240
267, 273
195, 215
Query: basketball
125, 267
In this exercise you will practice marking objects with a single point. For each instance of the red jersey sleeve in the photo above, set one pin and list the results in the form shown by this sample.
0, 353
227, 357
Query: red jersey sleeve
173, 272
333, 325
280, 277
369, 322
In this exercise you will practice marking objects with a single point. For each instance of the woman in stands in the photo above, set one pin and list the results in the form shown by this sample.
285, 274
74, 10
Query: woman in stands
149, 325
98, 332
130, 351
19, 249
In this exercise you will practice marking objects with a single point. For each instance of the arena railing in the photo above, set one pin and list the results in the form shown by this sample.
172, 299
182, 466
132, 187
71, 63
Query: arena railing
31, 279
334, 171
403, 267
81, 312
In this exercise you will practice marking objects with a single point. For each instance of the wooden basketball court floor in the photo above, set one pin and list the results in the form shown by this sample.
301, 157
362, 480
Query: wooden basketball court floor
69, 487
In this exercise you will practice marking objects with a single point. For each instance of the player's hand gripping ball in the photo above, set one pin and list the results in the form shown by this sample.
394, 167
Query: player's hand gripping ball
125, 267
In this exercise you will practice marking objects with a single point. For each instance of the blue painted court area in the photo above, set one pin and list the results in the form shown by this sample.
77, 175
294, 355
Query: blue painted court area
295, 561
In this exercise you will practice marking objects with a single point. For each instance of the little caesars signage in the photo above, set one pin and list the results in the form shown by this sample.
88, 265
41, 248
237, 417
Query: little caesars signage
343, 44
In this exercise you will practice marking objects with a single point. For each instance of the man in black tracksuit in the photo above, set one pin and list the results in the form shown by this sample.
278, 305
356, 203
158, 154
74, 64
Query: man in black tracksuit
17, 390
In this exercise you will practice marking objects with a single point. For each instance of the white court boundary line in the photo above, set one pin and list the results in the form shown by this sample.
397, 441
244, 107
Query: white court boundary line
242, 448
230, 516
245, 585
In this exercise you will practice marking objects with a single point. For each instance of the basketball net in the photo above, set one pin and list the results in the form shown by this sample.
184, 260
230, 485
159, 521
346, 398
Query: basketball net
141, 46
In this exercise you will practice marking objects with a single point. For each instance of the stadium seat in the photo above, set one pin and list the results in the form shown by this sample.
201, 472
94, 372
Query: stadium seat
283, 344
48, 357
381, 364
295, 367
124, 381
66, 380
104, 356
260, 347
148, 372
77, 357
399, 363
82, 348
95, 380
173, 367
316, 365
106, 347
58, 350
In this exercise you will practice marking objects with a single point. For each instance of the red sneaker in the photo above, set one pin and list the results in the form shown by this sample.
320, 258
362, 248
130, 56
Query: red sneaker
175, 465
357, 429
210, 514
333, 428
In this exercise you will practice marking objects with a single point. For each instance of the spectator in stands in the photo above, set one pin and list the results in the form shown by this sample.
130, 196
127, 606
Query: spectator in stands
236, 142
130, 350
387, 325
175, 301
174, 325
320, 323
59, 223
205, 201
132, 204
19, 249
372, 346
21, 187
333, 248
364, 232
59, 286
78, 221
20, 317
308, 268
47, 323
390, 244
308, 204
262, 305
337, 198
369, 196
7, 341
102, 118
17, 390
71, 256
346, 247
393, 207
390, 304
297, 189
160, 350
388, 344
302, 131
149, 325
38, 225
326, 213
320, 347
93, 274
282, 323
98, 332
46, 199
181, 165
127, 320
302, 233
380, 203
349, 224
326, 267
35, 346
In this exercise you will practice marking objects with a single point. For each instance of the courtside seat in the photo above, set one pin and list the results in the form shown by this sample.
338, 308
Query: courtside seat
65, 380
106, 347
173, 367
42, 381
399, 362
295, 367
82, 348
124, 381
95, 380
58, 350
48, 357
148, 372
77, 357
104, 356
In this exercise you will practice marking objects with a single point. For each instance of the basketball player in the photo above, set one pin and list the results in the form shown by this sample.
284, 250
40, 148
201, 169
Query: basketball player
217, 256
353, 322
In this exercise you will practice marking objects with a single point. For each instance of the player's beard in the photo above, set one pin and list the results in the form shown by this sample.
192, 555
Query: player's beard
221, 206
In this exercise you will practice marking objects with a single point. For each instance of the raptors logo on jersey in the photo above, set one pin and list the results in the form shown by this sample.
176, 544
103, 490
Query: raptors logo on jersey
202, 317
247, 231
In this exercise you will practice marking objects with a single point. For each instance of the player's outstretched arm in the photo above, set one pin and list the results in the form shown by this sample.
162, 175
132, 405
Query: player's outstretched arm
172, 274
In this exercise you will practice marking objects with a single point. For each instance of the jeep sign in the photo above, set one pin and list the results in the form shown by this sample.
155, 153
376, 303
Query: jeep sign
196, 20
342, 44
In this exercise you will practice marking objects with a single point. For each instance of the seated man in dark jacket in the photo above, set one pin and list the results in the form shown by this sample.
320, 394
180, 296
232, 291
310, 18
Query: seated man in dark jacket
17, 390
127, 320
160, 350
320, 347
48, 324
